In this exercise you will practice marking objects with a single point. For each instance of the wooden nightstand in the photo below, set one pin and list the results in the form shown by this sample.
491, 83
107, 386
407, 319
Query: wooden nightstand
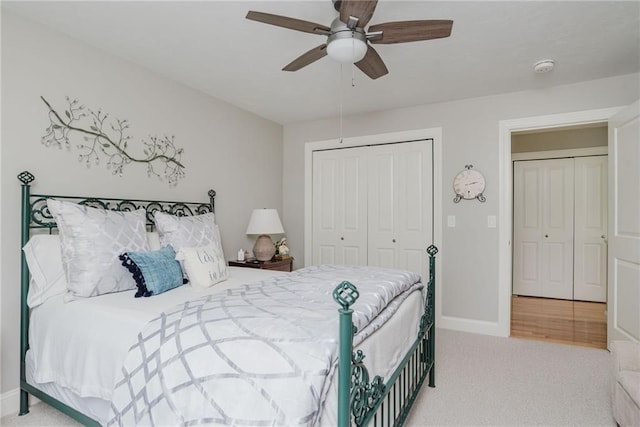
279, 265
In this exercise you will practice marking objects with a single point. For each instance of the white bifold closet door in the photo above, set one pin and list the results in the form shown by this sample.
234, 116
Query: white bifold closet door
372, 205
543, 228
400, 205
339, 207
560, 228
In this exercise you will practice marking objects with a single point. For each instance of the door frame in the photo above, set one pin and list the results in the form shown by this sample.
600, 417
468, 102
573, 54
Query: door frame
505, 202
435, 134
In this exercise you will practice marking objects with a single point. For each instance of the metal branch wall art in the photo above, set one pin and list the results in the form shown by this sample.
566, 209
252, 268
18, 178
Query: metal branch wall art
109, 139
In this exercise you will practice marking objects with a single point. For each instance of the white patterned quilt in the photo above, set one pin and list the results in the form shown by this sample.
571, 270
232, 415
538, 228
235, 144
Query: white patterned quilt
257, 355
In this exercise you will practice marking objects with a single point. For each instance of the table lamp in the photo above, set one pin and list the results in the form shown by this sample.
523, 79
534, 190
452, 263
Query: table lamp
264, 222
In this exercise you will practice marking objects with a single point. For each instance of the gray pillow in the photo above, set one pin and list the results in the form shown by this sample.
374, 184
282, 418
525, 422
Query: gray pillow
91, 240
186, 231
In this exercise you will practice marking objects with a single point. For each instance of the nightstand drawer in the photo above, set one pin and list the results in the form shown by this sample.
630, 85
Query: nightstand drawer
278, 265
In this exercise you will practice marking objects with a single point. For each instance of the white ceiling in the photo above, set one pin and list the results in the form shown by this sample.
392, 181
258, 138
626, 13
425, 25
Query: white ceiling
210, 46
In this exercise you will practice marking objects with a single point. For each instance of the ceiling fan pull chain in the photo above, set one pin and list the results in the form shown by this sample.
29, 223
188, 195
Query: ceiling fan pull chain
353, 77
340, 95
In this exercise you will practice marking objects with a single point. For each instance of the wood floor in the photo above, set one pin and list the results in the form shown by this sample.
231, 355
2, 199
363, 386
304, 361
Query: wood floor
568, 322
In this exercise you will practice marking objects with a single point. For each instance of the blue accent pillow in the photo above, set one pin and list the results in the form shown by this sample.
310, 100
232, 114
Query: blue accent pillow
154, 272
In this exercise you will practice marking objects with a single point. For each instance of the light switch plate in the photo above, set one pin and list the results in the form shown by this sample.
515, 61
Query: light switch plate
492, 222
451, 221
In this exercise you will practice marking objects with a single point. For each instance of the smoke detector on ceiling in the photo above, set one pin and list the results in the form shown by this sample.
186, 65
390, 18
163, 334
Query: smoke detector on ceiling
544, 66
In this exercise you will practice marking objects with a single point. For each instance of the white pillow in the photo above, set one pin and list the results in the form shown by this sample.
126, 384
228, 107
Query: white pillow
186, 231
205, 266
91, 241
42, 253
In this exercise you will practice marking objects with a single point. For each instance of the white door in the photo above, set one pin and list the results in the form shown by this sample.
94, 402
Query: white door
340, 207
590, 239
400, 201
543, 228
623, 308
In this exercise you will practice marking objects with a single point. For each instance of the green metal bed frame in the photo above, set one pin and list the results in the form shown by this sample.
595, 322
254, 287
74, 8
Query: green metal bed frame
361, 401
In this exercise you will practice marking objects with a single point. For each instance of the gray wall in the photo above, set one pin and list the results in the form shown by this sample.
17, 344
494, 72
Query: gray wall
469, 253
226, 148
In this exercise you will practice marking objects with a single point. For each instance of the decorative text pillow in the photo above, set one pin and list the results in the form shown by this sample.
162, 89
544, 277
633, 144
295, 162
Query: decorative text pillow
91, 240
154, 272
205, 266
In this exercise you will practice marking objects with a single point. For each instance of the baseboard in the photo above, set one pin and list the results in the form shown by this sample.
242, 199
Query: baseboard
470, 325
10, 402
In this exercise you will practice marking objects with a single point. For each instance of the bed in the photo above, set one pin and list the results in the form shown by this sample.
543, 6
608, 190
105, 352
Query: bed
307, 370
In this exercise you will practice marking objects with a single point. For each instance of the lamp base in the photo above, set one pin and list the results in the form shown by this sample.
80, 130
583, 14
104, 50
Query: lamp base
264, 249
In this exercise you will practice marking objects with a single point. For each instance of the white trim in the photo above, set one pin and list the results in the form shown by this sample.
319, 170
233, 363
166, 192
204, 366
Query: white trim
469, 325
10, 402
558, 154
505, 197
437, 216
434, 134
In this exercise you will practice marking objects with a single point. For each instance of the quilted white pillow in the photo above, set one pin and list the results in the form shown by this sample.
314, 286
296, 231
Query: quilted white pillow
91, 241
205, 266
42, 253
186, 231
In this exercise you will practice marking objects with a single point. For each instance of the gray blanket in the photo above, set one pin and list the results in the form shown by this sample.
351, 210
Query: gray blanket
258, 355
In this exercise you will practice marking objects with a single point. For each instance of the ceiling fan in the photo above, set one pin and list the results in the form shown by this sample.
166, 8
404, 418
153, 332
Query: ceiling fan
348, 41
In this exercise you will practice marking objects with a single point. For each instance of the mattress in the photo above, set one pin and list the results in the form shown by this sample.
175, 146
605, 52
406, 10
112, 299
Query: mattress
100, 331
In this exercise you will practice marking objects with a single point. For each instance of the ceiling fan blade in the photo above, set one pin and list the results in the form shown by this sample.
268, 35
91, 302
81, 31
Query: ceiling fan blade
286, 22
307, 58
361, 9
372, 64
411, 31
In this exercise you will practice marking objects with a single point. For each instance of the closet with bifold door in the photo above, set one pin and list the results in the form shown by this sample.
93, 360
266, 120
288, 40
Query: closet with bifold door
372, 205
560, 228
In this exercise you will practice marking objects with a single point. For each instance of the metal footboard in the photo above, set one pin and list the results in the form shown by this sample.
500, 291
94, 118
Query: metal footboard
365, 402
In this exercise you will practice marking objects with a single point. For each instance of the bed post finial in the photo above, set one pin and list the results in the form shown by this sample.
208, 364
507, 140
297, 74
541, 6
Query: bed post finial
26, 177
432, 250
212, 197
345, 294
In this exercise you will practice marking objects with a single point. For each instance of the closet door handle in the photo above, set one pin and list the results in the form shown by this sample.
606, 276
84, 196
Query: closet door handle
342, 238
546, 235
394, 240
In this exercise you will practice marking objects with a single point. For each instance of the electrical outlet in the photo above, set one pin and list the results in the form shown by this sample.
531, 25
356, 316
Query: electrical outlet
492, 221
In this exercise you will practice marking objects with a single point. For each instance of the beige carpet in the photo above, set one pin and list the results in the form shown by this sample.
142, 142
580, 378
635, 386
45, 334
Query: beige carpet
482, 380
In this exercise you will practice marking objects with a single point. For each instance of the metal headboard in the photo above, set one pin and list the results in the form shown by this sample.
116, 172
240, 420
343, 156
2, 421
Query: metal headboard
35, 215
38, 215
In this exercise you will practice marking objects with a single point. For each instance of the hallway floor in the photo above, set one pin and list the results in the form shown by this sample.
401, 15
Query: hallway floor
568, 322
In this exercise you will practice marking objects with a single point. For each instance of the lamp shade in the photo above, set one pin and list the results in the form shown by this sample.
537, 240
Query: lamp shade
265, 221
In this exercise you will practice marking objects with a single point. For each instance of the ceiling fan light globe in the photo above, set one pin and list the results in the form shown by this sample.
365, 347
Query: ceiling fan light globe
347, 50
